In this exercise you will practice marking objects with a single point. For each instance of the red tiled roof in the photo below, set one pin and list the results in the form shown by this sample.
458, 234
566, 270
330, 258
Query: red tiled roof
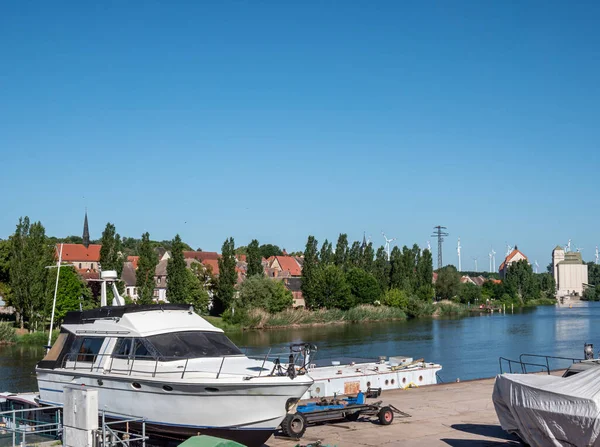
288, 263
510, 257
241, 258
213, 264
78, 252
88, 275
496, 281
134, 261
201, 255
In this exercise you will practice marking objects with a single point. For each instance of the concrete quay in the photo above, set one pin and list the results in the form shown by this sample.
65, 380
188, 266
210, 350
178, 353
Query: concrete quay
453, 414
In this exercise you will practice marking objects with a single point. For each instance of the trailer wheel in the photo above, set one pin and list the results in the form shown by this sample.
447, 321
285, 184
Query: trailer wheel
386, 416
353, 416
294, 425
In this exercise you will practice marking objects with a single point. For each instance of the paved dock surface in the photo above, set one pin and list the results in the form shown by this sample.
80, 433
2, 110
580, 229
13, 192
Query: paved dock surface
454, 414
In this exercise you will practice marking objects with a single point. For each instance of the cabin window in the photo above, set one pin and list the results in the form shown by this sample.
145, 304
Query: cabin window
134, 347
192, 344
86, 349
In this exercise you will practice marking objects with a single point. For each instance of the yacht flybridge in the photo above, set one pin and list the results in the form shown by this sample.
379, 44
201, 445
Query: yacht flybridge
169, 365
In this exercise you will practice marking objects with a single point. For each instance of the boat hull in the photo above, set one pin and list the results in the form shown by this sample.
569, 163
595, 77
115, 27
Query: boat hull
245, 410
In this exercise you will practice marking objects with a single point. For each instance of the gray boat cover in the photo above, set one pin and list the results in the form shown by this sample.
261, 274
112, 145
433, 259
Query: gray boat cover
549, 410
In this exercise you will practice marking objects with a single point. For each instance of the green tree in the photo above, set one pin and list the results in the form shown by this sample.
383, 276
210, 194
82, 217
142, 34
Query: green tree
309, 269
469, 293
331, 288
268, 250
355, 255
111, 256
447, 285
225, 287
72, 291
144, 277
547, 285
177, 278
326, 254
340, 256
197, 296
381, 269
265, 293
368, 255
4, 260
30, 254
363, 286
521, 282
396, 274
254, 259
395, 298
425, 269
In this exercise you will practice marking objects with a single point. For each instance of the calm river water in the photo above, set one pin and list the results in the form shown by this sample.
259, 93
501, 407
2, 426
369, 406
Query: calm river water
467, 348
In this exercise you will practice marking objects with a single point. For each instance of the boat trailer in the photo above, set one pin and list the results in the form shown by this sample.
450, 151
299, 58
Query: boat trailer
349, 409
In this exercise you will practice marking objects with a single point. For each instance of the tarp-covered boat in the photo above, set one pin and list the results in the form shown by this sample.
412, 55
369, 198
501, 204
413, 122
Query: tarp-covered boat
545, 410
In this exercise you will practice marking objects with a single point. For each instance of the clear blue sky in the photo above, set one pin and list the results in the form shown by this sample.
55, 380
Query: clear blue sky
276, 120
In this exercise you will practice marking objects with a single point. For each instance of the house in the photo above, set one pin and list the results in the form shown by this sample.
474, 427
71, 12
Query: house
512, 257
294, 285
279, 264
570, 272
160, 280
79, 256
134, 261
467, 280
201, 255
476, 280
162, 253
128, 276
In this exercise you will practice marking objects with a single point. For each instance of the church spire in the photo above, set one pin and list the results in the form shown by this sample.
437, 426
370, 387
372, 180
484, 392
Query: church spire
364, 242
86, 232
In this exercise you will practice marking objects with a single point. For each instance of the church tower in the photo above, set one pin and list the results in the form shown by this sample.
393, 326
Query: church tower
86, 232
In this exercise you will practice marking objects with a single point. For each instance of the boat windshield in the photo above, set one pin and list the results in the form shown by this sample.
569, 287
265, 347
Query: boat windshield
192, 344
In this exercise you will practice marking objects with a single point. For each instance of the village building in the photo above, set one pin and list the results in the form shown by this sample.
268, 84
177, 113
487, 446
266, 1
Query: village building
160, 281
128, 276
570, 273
283, 266
513, 256
294, 285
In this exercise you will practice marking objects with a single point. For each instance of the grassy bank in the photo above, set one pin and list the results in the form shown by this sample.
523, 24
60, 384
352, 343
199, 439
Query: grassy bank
260, 319
9, 335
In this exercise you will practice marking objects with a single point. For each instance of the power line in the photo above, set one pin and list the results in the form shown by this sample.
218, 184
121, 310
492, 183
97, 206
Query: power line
439, 233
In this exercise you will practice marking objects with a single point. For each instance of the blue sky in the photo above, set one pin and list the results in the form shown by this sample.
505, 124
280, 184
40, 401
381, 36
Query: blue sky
276, 120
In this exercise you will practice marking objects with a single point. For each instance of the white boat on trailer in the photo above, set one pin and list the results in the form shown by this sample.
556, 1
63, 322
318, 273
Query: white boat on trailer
169, 365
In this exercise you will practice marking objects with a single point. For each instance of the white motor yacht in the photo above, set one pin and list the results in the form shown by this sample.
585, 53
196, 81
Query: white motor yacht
167, 364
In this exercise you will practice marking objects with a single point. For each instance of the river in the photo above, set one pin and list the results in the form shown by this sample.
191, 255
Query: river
467, 348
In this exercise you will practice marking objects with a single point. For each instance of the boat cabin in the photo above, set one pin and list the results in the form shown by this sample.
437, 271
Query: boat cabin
117, 338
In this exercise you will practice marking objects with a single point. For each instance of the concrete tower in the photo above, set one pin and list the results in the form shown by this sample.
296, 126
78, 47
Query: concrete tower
558, 255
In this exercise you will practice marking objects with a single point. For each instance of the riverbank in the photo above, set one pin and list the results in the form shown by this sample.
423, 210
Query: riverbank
258, 319
9, 336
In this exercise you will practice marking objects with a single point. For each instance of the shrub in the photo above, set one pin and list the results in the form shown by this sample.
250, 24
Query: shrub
416, 308
7, 333
395, 298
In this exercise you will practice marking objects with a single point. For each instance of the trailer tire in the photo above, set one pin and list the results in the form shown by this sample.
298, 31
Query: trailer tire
294, 425
353, 416
385, 415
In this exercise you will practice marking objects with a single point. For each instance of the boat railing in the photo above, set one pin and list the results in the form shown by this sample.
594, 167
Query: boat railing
544, 364
97, 363
547, 359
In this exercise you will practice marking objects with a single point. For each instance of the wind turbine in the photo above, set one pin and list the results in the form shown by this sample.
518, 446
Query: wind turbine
490, 256
475, 259
537, 266
429, 246
458, 251
387, 244
508, 249
493, 260
568, 246
578, 249
596, 254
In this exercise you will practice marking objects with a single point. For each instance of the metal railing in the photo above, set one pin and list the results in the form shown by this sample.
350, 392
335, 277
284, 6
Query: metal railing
521, 365
180, 369
21, 427
113, 435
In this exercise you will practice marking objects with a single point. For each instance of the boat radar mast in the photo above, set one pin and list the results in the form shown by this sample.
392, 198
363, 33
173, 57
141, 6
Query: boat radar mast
106, 277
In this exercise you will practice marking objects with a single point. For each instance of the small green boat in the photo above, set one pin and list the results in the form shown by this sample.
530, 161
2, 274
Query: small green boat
209, 441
